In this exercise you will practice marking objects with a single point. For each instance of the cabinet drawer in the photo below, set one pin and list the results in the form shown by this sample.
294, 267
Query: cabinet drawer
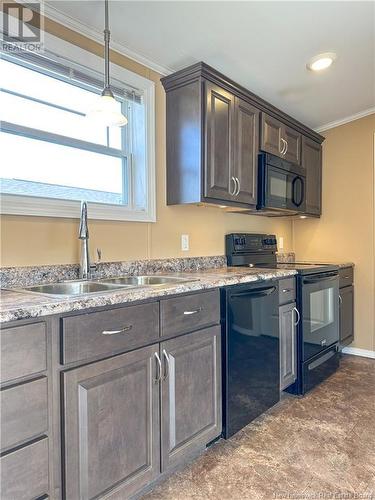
24, 472
24, 413
287, 290
190, 312
23, 351
108, 332
346, 276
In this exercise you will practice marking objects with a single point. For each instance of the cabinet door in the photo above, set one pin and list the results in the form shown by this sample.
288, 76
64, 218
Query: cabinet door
288, 345
246, 151
346, 315
111, 425
218, 181
271, 131
293, 145
191, 394
312, 162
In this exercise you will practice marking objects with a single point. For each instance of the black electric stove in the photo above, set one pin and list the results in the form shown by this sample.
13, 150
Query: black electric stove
317, 301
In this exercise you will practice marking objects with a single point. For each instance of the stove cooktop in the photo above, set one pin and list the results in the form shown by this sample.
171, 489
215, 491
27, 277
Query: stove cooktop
308, 268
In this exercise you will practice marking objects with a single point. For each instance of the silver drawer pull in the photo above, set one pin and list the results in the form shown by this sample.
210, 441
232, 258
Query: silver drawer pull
116, 332
323, 342
196, 311
158, 368
287, 290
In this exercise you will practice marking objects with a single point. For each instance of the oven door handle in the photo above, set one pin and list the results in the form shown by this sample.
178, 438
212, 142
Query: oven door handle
258, 292
326, 277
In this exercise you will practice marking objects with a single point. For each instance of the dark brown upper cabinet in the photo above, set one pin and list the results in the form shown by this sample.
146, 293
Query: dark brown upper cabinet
231, 143
215, 130
279, 139
219, 180
312, 161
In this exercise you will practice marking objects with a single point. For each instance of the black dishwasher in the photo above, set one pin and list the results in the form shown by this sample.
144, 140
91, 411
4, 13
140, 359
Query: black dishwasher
251, 376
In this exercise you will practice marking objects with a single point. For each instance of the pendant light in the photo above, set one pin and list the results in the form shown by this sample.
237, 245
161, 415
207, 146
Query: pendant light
105, 110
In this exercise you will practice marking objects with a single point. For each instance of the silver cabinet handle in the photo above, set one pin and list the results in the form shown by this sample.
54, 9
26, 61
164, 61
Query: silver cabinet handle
116, 332
340, 299
298, 316
323, 342
158, 370
238, 186
286, 147
167, 365
287, 290
283, 149
196, 311
232, 193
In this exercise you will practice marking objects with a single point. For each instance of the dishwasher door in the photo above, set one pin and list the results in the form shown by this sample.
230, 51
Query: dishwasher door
251, 353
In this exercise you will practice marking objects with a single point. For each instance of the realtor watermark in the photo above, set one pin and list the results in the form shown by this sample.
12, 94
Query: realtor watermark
22, 27
323, 495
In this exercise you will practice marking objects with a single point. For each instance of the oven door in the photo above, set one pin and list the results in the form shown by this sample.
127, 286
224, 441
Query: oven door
284, 189
320, 312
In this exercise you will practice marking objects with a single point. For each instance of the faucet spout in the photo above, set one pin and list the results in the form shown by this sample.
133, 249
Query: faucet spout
83, 235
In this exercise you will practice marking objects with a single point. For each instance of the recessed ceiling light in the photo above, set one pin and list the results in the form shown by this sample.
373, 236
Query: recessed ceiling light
321, 61
303, 216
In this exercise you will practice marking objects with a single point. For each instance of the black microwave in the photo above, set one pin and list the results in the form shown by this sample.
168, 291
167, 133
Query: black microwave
281, 186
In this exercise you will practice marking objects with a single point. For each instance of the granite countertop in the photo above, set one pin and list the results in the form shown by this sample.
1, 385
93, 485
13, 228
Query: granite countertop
21, 305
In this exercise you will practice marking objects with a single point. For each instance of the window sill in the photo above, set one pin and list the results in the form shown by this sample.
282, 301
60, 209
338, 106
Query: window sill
48, 207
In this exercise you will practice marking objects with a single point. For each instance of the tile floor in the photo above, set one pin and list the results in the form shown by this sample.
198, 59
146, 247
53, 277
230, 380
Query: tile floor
321, 446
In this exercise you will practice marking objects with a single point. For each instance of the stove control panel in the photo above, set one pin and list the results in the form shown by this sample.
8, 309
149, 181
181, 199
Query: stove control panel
250, 243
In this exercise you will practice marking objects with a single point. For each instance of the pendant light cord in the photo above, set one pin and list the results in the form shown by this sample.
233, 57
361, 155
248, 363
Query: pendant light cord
107, 36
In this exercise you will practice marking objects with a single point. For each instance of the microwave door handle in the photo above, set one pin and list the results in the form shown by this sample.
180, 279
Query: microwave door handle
294, 183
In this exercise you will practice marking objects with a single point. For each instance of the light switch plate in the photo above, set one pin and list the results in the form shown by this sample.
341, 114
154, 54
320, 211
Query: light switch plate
281, 243
184, 242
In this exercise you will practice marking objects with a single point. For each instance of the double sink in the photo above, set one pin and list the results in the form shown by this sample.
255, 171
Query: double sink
83, 287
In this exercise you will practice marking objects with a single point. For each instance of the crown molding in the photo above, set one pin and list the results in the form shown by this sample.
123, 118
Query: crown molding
97, 36
348, 119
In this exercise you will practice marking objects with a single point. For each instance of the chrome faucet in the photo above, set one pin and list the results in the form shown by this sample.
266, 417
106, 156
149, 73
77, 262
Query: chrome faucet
84, 267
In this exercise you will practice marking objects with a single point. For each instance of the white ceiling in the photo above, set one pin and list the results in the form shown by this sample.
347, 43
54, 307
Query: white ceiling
262, 45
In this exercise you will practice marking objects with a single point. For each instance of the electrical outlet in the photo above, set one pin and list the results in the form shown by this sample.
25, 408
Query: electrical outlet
281, 243
184, 242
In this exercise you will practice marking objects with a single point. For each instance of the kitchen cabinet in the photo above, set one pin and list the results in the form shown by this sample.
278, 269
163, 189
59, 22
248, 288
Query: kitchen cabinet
190, 394
215, 130
288, 345
111, 424
312, 162
279, 139
246, 149
219, 180
346, 297
134, 415
288, 320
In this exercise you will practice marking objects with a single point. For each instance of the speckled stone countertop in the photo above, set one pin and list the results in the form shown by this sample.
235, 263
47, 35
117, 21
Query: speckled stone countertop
21, 305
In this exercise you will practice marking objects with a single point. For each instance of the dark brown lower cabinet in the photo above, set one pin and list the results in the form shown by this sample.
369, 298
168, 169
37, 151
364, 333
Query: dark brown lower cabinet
113, 437
346, 315
111, 424
288, 345
190, 394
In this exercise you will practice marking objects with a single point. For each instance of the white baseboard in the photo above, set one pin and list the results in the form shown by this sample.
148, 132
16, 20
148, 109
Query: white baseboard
359, 352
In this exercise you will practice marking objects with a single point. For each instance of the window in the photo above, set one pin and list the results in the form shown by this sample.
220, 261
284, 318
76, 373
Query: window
53, 157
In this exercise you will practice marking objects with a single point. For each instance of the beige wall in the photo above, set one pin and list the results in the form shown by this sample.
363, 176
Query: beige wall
345, 231
40, 240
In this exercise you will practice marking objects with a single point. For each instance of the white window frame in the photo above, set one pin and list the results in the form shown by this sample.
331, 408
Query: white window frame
51, 207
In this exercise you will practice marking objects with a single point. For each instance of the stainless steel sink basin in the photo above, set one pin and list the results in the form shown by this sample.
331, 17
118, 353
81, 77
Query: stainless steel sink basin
83, 287
147, 280
73, 288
